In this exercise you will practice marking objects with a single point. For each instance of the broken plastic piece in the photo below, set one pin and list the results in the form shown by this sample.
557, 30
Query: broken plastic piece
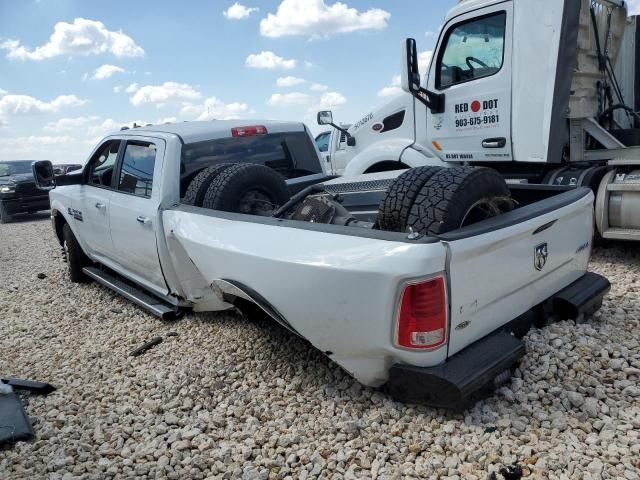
30, 385
143, 348
14, 424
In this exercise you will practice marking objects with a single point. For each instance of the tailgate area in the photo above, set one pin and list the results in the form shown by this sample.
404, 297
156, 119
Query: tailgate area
505, 266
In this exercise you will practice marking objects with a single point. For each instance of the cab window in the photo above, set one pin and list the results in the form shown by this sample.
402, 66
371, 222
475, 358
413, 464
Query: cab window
136, 174
473, 49
102, 164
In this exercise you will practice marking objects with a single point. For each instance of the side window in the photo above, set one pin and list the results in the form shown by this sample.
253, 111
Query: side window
102, 164
473, 49
322, 141
136, 174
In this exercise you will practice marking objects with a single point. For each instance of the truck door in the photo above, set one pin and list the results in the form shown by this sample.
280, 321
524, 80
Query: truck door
134, 212
472, 67
90, 212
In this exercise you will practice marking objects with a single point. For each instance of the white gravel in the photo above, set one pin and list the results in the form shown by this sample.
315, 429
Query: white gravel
232, 398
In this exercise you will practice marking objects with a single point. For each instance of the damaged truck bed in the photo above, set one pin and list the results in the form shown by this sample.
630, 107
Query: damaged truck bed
434, 317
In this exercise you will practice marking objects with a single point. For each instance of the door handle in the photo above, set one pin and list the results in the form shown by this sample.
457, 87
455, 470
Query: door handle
100, 205
143, 220
494, 142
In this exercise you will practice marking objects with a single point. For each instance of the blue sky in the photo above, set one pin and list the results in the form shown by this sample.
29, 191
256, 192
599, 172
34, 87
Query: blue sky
72, 70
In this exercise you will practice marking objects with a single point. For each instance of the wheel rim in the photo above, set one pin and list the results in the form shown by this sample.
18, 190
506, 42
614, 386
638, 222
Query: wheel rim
486, 208
256, 202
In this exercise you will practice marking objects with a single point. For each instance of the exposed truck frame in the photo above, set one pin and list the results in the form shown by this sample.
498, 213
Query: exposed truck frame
549, 110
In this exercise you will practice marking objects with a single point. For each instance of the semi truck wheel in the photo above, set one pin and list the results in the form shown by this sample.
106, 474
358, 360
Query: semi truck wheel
247, 188
75, 257
197, 189
457, 197
4, 215
394, 209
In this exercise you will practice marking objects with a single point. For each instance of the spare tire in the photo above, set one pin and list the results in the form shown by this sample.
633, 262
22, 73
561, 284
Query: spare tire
247, 188
393, 212
457, 197
197, 188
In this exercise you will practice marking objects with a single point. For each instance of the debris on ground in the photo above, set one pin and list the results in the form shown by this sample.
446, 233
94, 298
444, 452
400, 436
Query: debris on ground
146, 346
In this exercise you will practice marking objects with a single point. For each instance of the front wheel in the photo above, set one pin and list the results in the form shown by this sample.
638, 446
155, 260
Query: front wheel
75, 257
4, 214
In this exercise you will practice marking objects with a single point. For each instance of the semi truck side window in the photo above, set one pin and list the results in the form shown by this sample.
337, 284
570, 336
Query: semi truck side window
473, 49
136, 174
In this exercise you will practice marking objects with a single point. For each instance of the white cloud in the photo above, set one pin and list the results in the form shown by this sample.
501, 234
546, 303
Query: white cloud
424, 58
269, 60
3, 92
118, 88
430, 34
634, 7
314, 18
82, 37
332, 99
106, 70
289, 99
69, 124
393, 89
238, 11
35, 147
11, 105
318, 87
167, 120
289, 81
168, 92
214, 108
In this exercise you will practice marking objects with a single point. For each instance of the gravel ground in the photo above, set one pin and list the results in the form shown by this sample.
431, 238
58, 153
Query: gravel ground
235, 398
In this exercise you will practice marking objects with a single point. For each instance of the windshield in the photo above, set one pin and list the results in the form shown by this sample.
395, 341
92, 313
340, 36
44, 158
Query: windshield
15, 168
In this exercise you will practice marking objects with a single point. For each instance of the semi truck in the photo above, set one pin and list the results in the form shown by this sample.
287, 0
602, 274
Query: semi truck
544, 92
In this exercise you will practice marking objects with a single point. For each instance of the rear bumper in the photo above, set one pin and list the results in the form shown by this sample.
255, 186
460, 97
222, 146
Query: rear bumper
26, 204
474, 372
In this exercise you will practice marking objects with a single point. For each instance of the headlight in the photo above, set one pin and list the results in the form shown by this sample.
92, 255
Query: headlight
7, 189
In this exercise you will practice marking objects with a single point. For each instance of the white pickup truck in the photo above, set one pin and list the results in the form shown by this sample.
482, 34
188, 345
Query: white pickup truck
409, 280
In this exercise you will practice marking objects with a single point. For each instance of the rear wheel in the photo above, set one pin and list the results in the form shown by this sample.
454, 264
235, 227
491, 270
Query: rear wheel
247, 188
457, 197
198, 187
75, 257
393, 212
4, 215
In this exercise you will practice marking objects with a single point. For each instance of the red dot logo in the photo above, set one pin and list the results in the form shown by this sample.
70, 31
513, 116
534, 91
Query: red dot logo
475, 106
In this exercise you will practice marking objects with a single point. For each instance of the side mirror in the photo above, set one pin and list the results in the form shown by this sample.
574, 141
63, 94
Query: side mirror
43, 175
410, 78
325, 117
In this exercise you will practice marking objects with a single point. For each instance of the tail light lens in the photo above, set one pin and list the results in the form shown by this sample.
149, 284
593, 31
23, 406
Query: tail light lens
248, 131
422, 315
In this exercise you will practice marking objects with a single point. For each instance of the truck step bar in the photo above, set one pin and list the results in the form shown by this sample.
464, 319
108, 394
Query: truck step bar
476, 371
144, 300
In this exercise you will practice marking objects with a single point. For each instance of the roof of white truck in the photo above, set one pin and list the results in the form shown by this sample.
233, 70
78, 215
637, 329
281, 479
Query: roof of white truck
191, 132
464, 6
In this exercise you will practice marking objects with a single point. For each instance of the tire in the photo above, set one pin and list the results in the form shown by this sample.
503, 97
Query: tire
393, 212
76, 258
197, 189
247, 188
4, 215
456, 197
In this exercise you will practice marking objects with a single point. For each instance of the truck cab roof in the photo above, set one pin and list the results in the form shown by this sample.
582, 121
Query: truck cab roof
199, 131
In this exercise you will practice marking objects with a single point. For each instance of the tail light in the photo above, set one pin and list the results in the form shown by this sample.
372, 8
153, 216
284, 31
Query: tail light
248, 131
422, 315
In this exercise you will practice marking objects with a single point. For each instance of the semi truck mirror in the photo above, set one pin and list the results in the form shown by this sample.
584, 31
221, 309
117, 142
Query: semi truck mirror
43, 175
325, 117
410, 79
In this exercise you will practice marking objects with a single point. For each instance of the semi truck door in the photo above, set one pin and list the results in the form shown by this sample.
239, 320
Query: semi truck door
472, 67
134, 212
